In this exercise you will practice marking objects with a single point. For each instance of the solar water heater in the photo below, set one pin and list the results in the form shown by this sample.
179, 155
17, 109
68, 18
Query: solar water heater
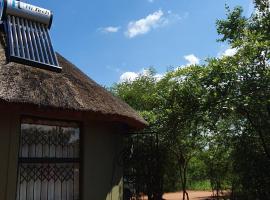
27, 34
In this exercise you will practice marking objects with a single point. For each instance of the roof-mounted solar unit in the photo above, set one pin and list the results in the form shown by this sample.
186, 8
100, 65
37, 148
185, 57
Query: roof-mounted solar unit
28, 38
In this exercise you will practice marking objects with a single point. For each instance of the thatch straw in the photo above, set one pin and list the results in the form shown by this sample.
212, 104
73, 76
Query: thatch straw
69, 90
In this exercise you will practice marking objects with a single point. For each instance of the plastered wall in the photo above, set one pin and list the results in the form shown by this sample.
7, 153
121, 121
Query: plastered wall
102, 169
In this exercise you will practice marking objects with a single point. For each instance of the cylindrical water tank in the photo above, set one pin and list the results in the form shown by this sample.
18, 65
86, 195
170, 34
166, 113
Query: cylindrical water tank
27, 11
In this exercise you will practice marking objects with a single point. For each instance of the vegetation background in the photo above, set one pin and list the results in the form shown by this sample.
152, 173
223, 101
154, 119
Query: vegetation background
209, 125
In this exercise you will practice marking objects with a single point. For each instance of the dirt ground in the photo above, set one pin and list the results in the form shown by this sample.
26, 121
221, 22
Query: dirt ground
193, 195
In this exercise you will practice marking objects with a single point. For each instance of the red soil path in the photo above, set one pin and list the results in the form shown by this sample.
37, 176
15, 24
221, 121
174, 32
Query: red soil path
193, 195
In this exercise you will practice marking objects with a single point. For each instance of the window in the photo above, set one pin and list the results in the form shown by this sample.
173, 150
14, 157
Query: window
49, 161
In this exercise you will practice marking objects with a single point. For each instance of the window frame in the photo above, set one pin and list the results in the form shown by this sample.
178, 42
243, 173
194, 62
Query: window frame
30, 119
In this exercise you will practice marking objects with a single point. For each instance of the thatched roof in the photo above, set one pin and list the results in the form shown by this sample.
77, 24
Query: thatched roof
69, 90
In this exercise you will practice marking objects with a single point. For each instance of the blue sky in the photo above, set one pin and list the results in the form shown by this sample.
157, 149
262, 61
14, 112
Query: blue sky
119, 38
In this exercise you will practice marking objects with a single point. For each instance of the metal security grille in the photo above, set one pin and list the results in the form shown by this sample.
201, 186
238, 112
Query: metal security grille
49, 162
29, 43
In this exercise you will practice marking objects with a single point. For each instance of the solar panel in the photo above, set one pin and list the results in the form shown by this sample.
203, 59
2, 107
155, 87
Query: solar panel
28, 37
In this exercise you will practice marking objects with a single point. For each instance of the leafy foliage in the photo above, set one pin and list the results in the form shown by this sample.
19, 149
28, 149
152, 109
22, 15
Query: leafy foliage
213, 120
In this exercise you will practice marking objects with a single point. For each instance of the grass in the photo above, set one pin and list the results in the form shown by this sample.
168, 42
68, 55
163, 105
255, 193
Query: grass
200, 185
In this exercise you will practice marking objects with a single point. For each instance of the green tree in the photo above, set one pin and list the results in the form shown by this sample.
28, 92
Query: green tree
238, 92
218, 112
167, 104
247, 74
149, 159
180, 117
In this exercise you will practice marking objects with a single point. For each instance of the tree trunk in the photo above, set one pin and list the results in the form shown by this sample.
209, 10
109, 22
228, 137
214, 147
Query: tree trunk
185, 180
183, 175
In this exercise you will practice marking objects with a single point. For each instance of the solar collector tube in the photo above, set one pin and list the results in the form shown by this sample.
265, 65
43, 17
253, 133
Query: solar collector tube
55, 62
10, 36
47, 44
28, 30
24, 30
19, 31
15, 36
40, 50
32, 31
42, 42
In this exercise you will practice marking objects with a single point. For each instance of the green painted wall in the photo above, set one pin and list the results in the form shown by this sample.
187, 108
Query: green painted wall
102, 171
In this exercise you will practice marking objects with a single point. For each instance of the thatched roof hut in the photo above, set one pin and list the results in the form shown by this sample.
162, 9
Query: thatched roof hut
59, 130
70, 90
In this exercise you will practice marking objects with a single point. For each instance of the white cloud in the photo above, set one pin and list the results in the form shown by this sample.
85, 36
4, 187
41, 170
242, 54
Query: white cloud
128, 76
227, 52
147, 72
158, 77
230, 52
192, 59
110, 29
132, 76
144, 25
